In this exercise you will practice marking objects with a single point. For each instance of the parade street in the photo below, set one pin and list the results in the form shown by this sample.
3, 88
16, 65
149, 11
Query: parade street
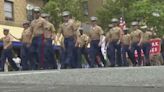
124, 79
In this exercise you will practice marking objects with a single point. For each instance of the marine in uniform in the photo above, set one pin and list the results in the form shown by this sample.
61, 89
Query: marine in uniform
68, 30
114, 36
125, 44
26, 39
49, 35
7, 51
81, 44
38, 26
146, 44
95, 47
136, 40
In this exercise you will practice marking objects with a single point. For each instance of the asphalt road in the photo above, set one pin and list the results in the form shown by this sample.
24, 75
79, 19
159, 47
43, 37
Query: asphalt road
129, 79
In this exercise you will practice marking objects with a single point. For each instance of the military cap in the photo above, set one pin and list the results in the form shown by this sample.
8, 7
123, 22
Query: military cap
36, 9
65, 13
93, 18
134, 23
114, 20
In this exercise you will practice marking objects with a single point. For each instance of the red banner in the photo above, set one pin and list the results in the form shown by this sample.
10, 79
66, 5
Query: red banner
155, 47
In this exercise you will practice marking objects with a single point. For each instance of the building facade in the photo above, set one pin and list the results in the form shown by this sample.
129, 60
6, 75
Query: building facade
14, 12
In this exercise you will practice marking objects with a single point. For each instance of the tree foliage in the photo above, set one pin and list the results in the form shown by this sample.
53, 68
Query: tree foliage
140, 10
56, 7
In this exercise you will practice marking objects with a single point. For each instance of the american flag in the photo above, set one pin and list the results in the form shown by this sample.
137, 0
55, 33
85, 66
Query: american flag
122, 23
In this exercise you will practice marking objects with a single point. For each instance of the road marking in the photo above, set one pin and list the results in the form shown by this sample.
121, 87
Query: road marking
27, 73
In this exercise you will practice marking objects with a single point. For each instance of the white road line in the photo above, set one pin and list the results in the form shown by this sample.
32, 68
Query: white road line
27, 73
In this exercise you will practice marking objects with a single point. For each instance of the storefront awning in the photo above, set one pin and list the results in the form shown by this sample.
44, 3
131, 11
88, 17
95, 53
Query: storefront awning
15, 31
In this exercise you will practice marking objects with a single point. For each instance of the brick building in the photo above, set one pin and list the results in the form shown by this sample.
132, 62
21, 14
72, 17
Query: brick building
14, 12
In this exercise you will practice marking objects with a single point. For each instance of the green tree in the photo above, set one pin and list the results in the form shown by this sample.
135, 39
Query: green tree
146, 11
108, 11
149, 11
56, 7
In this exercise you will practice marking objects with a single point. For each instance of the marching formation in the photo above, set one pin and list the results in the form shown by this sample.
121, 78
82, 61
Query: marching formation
114, 48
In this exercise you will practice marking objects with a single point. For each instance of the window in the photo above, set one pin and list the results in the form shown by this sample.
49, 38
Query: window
8, 10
